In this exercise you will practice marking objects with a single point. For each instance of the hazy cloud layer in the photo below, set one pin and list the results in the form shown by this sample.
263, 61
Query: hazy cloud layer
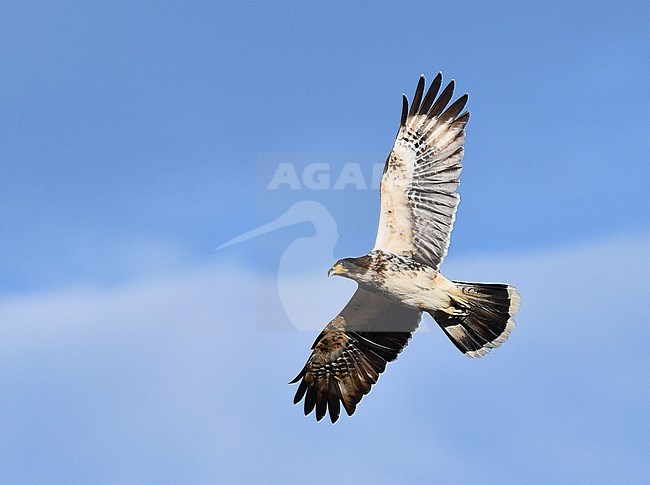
171, 380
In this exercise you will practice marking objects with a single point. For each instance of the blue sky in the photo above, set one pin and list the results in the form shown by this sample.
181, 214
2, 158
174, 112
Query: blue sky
136, 138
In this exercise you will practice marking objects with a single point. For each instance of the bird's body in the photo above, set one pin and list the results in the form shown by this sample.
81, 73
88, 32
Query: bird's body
407, 281
400, 278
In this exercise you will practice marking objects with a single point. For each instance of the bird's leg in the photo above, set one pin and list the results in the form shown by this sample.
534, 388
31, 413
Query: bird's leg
457, 308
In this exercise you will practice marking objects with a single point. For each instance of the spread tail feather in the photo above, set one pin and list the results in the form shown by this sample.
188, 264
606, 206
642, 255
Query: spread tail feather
484, 317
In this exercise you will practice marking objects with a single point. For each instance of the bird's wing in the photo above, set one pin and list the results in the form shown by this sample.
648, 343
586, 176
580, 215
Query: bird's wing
418, 187
351, 352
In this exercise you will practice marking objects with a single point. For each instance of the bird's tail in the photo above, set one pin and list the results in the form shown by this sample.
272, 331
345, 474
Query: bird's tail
484, 317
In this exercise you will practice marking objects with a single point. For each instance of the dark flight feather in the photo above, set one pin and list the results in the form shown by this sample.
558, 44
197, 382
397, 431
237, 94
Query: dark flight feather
443, 100
352, 351
405, 110
417, 97
431, 94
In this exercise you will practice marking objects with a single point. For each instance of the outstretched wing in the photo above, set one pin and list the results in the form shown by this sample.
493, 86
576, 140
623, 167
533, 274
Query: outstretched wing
351, 352
418, 188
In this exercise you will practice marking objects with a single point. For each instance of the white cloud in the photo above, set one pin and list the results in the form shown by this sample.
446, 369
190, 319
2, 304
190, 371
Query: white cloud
171, 378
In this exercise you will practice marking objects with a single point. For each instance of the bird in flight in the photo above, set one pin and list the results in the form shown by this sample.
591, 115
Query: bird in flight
400, 278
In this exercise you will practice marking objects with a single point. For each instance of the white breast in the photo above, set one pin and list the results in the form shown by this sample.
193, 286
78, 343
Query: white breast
424, 289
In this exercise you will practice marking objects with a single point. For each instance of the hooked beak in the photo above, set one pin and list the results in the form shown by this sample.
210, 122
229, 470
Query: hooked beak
337, 269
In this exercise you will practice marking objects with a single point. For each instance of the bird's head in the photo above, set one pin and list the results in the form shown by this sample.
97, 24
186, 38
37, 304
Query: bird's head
352, 268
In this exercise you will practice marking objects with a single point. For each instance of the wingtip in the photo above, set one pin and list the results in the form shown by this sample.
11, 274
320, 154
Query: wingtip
296, 379
405, 110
